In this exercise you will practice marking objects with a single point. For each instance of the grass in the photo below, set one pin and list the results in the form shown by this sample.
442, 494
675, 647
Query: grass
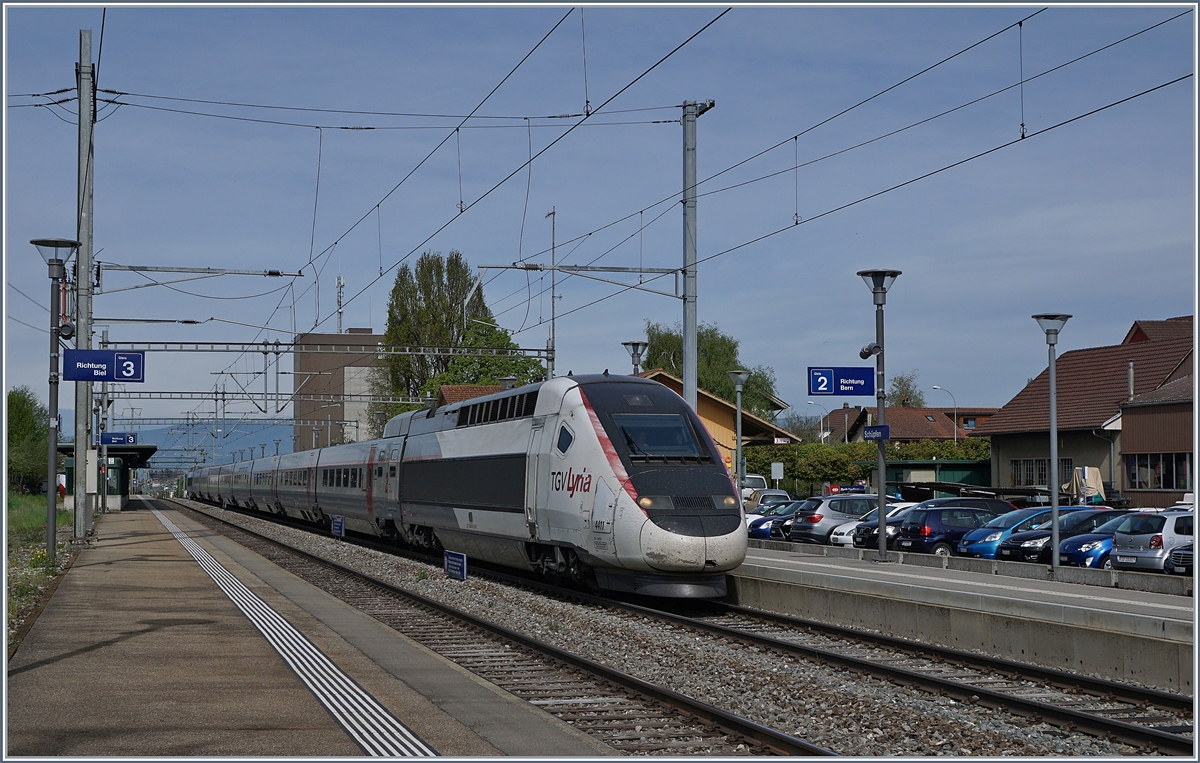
29, 574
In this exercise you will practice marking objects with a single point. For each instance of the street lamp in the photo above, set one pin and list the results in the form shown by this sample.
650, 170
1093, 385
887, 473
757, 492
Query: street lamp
739, 380
951, 394
636, 349
879, 281
1052, 323
51, 250
821, 429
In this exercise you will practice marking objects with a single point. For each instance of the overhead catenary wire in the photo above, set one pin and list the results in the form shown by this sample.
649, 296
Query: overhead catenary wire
890, 189
13, 286
550, 145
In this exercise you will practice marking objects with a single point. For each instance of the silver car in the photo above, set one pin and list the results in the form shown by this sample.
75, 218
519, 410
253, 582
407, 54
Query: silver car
1144, 541
815, 521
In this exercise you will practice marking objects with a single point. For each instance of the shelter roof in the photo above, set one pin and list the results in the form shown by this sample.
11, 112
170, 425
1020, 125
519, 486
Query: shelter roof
456, 393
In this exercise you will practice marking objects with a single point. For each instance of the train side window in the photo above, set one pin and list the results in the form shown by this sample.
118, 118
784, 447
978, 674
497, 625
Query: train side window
354, 478
565, 438
391, 471
346, 477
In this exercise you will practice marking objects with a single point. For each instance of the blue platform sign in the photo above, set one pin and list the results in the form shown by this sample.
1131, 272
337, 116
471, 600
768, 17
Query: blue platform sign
843, 382
337, 526
104, 365
877, 433
455, 564
118, 438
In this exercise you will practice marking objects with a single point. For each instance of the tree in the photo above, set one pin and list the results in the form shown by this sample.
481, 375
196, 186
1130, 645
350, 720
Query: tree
435, 304
902, 386
717, 354
805, 426
28, 420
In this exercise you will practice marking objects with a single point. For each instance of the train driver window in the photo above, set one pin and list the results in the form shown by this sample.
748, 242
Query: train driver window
565, 438
391, 471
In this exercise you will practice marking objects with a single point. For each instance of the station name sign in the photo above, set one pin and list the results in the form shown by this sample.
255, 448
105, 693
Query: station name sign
104, 365
842, 382
877, 433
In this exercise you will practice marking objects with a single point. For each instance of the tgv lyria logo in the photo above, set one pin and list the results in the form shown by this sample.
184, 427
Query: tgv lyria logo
571, 482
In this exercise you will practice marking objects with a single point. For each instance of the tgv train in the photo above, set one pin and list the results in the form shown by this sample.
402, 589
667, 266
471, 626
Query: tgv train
611, 481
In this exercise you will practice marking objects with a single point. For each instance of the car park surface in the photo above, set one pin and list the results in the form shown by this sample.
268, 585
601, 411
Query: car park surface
1144, 541
982, 543
937, 530
1035, 546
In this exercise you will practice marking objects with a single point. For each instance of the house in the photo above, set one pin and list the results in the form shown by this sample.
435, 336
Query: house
1156, 444
333, 365
905, 424
1095, 386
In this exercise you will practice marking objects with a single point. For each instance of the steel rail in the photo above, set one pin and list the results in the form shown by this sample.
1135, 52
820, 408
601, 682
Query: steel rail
777, 741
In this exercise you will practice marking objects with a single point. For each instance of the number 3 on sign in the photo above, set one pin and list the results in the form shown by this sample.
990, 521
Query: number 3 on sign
129, 366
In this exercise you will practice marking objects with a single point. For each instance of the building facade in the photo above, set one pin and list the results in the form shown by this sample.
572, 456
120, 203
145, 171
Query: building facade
341, 367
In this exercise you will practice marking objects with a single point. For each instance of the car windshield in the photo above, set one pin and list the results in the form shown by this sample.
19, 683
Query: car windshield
1011, 519
656, 434
1141, 524
781, 509
1066, 522
1109, 527
809, 506
755, 482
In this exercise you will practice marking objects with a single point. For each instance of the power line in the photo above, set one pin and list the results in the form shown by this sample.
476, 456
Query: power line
28, 325
887, 190
13, 286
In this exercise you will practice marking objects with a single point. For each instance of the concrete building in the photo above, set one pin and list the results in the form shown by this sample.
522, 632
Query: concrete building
1095, 387
342, 367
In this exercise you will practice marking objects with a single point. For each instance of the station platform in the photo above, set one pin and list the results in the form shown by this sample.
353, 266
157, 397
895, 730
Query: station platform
166, 639
1124, 635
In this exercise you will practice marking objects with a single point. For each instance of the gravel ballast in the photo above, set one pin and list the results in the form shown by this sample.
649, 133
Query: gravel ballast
849, 714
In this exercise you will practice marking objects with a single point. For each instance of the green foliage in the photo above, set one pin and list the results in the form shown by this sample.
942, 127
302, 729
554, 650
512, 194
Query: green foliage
805, 426
807, 465
27, 513
717, 354
27, 423
902, 386
429, 306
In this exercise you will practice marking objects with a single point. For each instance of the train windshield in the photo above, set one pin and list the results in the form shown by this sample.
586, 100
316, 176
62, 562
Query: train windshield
656, 435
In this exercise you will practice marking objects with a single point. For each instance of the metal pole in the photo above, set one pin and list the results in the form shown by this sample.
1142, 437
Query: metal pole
880, 405
741, 478
56, 274
83, 264
1051, 340
103, 429
553, 272
690, 112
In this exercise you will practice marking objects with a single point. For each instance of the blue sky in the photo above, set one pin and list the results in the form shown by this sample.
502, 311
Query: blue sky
1095, 218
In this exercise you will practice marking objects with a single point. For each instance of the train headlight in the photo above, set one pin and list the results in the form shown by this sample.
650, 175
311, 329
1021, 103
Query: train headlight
656, 502
729, 502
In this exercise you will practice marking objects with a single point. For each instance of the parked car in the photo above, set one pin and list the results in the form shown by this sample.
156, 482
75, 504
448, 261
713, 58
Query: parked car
752, 482
1034, 545
760, 499
1092, 549
814, 522
938, 529
867, 536
982, 543
759, 526
1144, 541
843, 535
1180, 561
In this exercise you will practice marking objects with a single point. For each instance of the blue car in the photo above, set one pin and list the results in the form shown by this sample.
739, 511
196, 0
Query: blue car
759, 525
1090, 550
982, 543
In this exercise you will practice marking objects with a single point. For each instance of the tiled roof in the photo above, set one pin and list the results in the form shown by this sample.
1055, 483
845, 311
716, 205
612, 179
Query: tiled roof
1179, 391
1156, 331
1091, 385
838, 421
915, 424
456, 393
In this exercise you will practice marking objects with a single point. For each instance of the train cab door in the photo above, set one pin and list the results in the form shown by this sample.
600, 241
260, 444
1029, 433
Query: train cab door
535, 487
391, 475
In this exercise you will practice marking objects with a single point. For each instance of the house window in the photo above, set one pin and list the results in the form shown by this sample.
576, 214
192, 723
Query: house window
968, 423
1039, 465
1158, 471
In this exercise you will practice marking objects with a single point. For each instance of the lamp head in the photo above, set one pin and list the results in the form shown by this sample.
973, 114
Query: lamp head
1051, 323
936, 387
739, 378
53, 248
635, 348
879, 280
868, 350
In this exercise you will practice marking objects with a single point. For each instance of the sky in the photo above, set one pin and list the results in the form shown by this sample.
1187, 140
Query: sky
1093, 213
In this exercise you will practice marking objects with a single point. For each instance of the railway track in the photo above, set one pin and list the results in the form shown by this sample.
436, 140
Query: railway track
630, 715
1146, 718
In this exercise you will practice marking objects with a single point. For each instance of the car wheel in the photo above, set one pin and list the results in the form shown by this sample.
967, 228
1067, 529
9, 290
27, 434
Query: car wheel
943, 549
1106, 564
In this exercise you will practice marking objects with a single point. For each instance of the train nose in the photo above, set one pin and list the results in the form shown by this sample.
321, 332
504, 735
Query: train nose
683, 544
